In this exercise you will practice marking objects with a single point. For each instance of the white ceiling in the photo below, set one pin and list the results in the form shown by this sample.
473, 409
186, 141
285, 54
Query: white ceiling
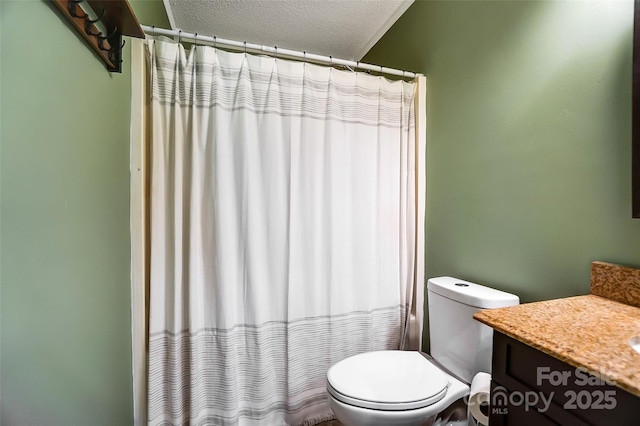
344, 29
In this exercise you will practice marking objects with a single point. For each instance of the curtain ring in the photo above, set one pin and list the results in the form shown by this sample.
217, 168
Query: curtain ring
380, 69
245, 48
215, 42
153, 31
330, 61
304, 56
179, 36
195, 39
276, 47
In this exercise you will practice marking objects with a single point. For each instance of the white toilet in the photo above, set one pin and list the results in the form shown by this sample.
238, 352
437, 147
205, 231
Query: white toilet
409, 388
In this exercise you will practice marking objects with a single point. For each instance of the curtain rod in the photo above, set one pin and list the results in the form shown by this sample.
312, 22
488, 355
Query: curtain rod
275, 51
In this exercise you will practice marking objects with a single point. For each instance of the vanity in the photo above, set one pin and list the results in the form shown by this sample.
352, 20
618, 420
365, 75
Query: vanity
569, 361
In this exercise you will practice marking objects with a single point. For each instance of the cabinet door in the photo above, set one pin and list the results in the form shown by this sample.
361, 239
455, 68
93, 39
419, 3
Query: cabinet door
545, 385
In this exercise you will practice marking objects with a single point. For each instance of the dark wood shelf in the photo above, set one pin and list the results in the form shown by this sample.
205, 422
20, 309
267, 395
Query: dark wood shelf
116, 16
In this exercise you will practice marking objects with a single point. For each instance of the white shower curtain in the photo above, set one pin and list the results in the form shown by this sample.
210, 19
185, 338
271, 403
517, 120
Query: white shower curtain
284, 232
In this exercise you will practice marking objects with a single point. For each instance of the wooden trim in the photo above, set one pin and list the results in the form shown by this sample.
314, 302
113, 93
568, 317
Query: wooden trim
139, 222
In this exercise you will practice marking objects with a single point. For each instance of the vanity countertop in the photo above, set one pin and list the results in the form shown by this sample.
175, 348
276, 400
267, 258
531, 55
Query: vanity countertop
590, 332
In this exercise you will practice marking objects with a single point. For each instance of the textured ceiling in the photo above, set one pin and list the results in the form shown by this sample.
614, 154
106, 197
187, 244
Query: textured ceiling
344, 29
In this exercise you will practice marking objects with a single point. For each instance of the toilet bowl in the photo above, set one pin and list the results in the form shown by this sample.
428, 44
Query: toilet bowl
405, 388
383, 388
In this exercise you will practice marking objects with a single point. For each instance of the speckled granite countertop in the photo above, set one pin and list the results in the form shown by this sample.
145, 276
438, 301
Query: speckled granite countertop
589, 331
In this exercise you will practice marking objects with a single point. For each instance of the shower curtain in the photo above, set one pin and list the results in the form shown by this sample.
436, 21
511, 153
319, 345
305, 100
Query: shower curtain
285, 232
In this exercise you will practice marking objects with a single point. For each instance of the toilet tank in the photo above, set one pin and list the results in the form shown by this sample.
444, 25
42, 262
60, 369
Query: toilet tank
458, 342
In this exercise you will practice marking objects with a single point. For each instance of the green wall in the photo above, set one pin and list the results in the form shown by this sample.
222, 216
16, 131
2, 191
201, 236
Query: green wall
528, 138
64, 220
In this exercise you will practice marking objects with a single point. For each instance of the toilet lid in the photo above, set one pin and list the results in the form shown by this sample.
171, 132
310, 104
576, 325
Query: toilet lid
394, 380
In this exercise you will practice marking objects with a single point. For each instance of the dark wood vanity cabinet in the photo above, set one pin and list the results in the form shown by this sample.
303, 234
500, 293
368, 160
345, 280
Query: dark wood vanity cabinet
530, 387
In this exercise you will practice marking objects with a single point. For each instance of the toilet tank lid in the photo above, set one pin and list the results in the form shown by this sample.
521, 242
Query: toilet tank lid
471, 294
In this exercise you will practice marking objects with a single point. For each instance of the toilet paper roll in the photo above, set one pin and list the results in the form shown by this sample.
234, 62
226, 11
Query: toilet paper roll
479, 397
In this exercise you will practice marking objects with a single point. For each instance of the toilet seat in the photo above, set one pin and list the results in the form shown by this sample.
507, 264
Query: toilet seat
387, 380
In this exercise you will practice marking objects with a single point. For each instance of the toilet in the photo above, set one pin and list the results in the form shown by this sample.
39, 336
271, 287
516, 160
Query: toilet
410, 388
